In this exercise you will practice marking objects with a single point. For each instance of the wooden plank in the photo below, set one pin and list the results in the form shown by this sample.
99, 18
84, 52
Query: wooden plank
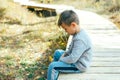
104, 70
32, 4
113, 31
107, 50
38, 7
106, 55
89, 77
105, 64
106, 59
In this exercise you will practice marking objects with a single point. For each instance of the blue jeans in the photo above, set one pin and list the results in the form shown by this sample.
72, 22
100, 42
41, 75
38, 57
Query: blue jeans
57, 66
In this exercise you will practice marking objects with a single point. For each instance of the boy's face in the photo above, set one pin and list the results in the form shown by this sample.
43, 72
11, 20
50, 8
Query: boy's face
70, 29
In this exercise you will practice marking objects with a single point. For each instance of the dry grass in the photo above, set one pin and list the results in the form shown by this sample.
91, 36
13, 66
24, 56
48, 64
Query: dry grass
14, 13
26, 43
22, 48
116, 19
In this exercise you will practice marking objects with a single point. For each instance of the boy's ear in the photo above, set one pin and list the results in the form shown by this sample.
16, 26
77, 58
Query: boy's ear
73, 24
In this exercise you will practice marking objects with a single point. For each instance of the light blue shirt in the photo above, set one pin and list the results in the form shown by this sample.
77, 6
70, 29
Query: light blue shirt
79, 52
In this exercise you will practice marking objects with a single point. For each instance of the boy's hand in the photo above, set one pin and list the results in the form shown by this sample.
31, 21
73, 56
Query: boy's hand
64, 54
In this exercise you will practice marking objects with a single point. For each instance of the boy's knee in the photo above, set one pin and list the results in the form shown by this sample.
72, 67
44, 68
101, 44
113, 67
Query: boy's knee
58, 51
57, 54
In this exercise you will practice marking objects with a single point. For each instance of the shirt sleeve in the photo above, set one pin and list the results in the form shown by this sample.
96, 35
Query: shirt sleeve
77, 50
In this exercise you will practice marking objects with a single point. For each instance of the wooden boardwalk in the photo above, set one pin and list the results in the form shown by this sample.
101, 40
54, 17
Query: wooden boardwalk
43, 6
106, 54
43, 9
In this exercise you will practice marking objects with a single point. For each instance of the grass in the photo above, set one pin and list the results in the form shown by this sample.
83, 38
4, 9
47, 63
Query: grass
22, 51
26, 43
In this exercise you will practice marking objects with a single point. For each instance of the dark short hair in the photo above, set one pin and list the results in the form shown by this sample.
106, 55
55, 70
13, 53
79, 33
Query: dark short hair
67, 17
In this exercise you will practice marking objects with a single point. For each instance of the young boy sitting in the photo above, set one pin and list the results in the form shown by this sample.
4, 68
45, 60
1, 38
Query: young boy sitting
77, 57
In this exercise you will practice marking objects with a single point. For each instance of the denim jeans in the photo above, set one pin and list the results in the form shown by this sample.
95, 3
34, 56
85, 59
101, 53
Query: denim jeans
57, 66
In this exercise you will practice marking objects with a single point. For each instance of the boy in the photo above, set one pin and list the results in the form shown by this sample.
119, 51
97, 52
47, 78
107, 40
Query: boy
77, 57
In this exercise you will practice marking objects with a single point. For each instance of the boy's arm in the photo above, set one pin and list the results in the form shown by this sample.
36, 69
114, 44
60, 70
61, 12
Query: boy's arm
69, 42
77, 50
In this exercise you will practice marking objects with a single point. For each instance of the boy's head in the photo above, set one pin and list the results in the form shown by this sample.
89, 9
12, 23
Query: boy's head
67, 17
69, 21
